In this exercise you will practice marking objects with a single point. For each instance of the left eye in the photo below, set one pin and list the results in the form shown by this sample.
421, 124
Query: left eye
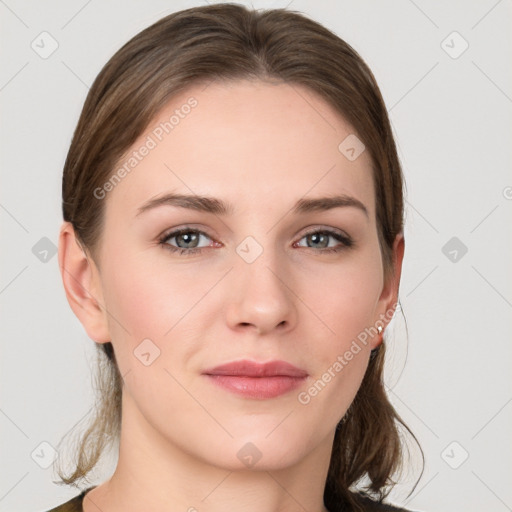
322, 239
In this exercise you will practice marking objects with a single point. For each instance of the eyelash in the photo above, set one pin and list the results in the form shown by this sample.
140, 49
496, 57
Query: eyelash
346, 241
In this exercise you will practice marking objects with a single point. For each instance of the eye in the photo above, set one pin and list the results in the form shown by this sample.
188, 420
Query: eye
186, 239
319, 239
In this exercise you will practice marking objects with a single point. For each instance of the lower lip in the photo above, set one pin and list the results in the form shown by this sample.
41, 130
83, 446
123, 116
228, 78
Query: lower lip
258, 387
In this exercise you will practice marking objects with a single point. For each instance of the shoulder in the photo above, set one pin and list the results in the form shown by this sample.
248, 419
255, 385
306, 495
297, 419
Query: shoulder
73, 505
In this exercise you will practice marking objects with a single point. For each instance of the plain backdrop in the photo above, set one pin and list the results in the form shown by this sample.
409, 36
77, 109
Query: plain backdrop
444, 69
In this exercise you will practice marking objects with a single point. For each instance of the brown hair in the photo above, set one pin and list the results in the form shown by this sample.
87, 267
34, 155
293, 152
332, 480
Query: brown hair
230, 42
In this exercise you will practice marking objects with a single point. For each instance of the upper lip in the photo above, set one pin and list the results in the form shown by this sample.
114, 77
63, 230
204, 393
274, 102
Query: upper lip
254, 369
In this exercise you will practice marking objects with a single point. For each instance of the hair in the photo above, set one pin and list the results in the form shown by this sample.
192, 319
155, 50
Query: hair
227, 42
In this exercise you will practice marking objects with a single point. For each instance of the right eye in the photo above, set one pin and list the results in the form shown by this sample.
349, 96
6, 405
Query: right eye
188, 237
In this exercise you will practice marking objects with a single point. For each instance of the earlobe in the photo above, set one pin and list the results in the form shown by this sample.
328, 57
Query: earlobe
82, 285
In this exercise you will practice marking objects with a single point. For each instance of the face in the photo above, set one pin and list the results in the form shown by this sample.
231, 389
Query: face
271, 275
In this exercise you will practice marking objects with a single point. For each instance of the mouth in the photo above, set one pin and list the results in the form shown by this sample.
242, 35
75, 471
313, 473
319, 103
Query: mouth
256, 380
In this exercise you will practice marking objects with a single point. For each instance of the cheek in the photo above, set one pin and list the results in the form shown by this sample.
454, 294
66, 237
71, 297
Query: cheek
344, 295
134, 297
345, 302
146, 298
171, 305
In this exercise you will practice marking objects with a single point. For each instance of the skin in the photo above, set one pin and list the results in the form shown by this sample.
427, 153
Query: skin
260, 146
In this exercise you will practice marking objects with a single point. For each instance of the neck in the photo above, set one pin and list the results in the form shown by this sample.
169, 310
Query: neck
155, 475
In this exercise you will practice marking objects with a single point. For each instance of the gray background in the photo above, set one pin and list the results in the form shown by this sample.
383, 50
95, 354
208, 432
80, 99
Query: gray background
451, 113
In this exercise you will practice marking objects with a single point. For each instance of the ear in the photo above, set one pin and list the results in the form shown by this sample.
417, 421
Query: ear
82, 285
388, 299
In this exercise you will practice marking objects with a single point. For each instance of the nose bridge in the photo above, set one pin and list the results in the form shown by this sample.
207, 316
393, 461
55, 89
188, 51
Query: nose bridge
261, 295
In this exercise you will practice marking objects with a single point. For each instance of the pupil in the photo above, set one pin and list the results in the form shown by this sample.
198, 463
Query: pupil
315, 237
192, 237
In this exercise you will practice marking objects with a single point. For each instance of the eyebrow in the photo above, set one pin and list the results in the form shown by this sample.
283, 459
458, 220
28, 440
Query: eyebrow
218, 207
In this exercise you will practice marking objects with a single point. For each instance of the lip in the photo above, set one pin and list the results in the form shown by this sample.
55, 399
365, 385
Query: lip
248, 368
257, 380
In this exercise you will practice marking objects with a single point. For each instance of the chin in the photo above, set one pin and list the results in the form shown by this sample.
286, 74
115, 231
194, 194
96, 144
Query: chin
257, 452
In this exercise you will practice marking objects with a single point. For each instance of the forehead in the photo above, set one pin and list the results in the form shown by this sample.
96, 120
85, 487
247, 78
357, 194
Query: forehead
252, 143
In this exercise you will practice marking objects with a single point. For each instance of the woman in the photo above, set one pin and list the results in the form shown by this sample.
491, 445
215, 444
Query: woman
233, 243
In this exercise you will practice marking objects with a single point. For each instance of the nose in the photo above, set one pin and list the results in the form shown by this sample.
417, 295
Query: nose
262, 298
